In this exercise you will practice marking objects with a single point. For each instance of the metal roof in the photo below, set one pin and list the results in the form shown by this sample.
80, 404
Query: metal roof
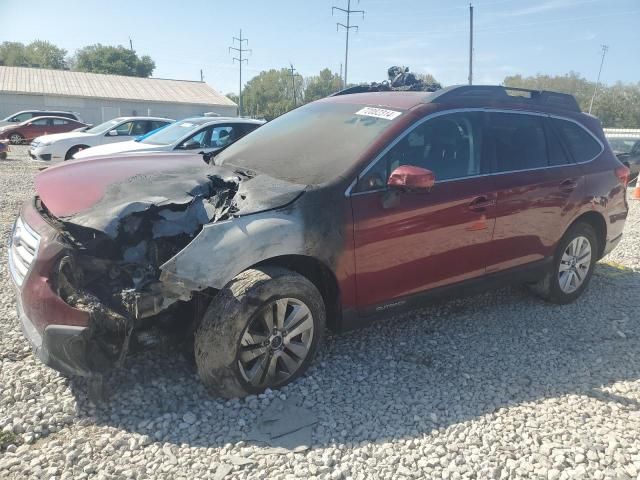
97, 85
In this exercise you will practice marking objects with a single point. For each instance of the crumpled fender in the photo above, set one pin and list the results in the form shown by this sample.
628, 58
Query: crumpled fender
224, 249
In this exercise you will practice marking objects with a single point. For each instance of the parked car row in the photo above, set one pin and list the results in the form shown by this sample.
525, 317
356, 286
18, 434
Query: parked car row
331, 215
26, 131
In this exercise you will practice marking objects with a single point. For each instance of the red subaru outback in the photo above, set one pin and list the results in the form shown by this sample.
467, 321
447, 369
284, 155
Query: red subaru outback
343, 210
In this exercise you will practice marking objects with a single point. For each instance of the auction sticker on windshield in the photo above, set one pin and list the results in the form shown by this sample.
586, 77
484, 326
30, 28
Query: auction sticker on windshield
378, 113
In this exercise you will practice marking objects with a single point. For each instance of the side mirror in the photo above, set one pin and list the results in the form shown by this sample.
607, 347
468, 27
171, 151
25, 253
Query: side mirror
112, 133
408, 177
190, 145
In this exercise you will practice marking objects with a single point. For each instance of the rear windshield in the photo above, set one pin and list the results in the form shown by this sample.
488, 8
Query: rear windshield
312, 144
174, 132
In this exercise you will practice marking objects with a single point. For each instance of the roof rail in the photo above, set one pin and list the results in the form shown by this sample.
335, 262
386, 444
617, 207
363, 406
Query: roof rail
506, 95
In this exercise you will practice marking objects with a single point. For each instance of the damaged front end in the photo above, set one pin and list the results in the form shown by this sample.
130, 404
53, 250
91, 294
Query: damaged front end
111, 264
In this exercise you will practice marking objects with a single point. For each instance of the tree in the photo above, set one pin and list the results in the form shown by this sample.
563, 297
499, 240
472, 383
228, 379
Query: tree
38, 53
44, 54
270, 94
617, 106
13, 54
112, 60
321, 85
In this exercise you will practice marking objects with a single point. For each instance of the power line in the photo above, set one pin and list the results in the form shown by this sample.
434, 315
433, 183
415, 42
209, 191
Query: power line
293, 74
347, 28
470, 43
595, 90
240, 49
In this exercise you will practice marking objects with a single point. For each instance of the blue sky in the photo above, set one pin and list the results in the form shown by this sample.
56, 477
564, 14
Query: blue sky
512, 36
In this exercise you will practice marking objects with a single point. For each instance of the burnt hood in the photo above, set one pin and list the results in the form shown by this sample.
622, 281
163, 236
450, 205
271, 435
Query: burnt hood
180, 191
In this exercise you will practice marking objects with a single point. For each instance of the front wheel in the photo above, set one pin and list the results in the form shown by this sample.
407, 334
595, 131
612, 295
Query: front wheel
261, 331
572, 267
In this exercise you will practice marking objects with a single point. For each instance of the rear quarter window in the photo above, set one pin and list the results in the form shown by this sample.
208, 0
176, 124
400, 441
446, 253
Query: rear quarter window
581, 144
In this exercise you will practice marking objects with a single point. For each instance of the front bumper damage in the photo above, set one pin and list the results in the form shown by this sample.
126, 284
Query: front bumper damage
61, 347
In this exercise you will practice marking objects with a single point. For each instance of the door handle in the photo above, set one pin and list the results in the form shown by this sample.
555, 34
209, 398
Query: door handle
480, 204
568, 185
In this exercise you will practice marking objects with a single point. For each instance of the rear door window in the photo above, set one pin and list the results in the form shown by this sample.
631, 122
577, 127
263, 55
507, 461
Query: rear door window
518, 141
140, 127
581, 144
60, 121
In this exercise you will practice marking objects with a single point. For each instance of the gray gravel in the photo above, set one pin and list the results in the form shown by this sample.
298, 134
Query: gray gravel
498, 385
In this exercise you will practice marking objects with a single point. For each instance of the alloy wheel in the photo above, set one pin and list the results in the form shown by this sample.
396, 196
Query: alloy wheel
574, 264
276, 342
16, 139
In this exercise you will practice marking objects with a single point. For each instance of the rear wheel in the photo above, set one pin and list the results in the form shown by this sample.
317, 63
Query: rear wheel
16, 138
572, 267
260, 332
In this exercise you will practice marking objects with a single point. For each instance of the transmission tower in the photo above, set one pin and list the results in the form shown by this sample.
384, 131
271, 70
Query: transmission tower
605, 48
347, 28
240, 50
293, 74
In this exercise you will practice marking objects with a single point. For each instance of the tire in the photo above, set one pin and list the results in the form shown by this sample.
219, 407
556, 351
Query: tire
234, 353
73, 150
563, 287
3, 155
16, 139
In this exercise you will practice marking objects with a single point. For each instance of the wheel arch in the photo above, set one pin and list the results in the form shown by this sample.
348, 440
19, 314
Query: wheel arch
320, 275
80, 146
599, 224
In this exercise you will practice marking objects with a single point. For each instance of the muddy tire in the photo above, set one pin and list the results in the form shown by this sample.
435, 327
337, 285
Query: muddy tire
261, 331
572, 267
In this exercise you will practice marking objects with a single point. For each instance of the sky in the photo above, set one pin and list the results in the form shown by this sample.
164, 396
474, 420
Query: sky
429, 36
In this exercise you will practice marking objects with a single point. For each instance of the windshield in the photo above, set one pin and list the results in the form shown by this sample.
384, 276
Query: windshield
172, 133
104, 127
312, 144
623, 144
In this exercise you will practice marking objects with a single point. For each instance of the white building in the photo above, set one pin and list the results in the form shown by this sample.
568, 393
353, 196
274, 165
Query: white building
99, 97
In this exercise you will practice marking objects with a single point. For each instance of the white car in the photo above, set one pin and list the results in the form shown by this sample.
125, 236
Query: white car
63, 146
205, 134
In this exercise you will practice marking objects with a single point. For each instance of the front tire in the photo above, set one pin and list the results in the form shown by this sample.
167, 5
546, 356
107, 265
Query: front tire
261, 331
572, 267
72, 151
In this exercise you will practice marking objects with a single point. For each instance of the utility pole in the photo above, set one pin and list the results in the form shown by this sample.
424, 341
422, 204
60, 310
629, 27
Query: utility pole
130, 44
605, 48
240, 50
470, 43
347, 28
293, 75
201, 76
343, 86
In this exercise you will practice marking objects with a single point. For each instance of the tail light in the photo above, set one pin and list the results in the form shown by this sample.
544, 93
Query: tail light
622, 172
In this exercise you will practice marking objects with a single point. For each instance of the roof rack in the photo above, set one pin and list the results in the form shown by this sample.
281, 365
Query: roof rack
506, 95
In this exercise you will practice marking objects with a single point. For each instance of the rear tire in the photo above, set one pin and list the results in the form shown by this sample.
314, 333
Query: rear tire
261, 331
16, 139
570, 274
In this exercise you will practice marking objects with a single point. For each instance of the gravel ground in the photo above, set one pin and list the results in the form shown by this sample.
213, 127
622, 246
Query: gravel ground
498, 385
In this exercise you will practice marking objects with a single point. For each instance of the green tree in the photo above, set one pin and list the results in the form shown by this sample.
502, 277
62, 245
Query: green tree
38, 53
617, 106
43, 54
112, 60
13, 54
321, 85
270, 94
